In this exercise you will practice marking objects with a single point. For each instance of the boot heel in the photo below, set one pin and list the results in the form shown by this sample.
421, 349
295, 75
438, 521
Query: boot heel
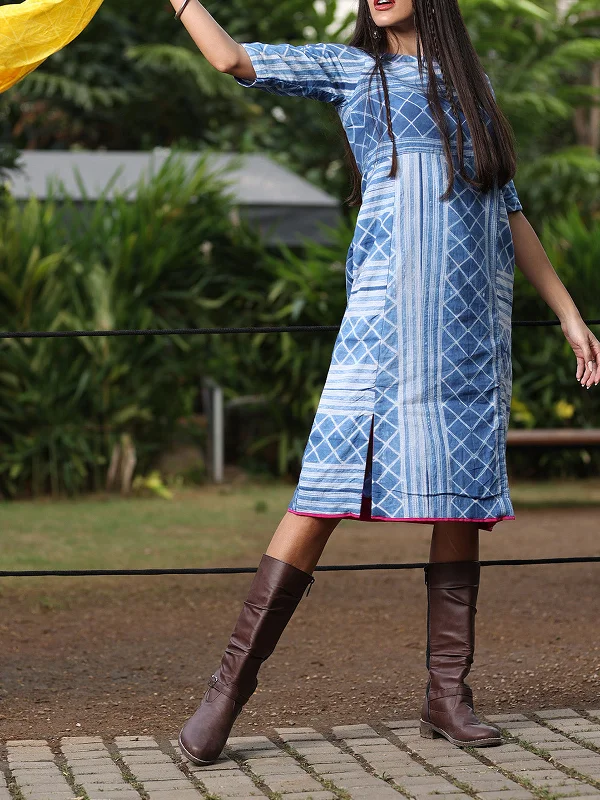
427, 731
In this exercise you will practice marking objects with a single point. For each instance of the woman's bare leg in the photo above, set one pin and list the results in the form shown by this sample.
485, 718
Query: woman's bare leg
454, 541
300, 540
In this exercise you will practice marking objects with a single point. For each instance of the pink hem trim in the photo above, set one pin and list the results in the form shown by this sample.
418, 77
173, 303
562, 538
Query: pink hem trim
488, 520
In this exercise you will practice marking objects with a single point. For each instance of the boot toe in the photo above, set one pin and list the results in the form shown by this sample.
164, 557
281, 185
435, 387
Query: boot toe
488, 733
205, 734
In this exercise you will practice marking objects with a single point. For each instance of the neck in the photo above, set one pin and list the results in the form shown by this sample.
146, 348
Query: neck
402, 42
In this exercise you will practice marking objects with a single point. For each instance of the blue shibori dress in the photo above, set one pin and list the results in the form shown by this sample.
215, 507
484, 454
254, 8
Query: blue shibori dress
412, 421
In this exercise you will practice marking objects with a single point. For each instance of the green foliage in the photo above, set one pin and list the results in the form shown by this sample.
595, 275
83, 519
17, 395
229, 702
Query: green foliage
134, 79
545, 392
540, 64
143, 264
286, 371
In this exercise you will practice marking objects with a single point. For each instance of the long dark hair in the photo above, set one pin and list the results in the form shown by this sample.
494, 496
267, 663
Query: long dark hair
442, 36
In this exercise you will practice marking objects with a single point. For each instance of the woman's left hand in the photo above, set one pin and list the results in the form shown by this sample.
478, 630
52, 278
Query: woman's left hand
586, 348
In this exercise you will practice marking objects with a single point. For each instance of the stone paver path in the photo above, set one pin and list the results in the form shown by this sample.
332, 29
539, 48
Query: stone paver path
548, 755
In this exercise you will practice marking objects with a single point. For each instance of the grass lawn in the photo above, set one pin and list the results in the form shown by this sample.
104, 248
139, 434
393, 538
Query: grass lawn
200, 527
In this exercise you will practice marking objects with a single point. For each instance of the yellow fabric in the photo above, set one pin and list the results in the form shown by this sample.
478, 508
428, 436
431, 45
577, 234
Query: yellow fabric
35, 29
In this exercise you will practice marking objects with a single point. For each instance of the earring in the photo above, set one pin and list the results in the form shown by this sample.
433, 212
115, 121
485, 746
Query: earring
376, 33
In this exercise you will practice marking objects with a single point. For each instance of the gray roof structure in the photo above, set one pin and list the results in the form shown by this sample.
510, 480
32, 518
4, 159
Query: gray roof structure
283, 205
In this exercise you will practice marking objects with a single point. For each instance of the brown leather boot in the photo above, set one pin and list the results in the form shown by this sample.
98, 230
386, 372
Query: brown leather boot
275, 591
452, 588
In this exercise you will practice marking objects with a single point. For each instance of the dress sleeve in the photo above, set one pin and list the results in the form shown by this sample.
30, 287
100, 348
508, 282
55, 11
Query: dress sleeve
511, 198
328, 72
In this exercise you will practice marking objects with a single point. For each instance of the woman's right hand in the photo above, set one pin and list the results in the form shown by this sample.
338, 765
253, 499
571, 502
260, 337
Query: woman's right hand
586, 348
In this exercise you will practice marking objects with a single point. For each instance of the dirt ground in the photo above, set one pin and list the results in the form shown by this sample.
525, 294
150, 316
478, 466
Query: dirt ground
123, 655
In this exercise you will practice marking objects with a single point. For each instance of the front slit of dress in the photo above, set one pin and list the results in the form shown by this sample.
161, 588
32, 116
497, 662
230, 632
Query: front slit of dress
365, 507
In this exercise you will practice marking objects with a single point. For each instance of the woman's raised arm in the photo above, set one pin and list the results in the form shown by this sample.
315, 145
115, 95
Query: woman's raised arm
215, 44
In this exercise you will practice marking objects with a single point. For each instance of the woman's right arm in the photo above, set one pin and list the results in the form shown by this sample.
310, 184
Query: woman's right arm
215, 44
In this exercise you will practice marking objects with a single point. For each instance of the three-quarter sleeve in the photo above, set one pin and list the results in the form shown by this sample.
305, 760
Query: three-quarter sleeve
511, 198
327, 72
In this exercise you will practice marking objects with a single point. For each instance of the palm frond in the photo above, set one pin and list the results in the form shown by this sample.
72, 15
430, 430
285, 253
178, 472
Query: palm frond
182, 62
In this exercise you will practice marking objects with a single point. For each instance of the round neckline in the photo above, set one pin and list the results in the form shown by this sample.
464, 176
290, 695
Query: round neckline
411, 59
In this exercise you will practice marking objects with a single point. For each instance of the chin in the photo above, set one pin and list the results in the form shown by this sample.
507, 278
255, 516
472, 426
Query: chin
393, 12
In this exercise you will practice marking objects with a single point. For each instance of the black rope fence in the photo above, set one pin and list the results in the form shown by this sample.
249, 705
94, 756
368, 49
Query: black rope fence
239, 570
500, 562
522, 323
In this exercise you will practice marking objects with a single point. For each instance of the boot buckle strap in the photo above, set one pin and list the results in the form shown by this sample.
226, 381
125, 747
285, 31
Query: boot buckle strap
231, 691
455, 690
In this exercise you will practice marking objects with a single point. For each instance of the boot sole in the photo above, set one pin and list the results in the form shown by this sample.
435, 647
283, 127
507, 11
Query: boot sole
429, 731
192, 758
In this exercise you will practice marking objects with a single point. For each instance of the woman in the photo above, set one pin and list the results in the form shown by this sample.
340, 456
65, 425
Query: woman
413, 417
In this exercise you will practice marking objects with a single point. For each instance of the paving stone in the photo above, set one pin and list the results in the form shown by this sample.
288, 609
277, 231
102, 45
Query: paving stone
38, 779
281, 772
344, 774
26, 743
135, 741
97, 775
302, 736
514, 757
402, 723
513, 717
584, 729
316, 748
328, 757
451, 760
575, 756
295, 729
175, 794
104, 776
176, 783
557, 713
223, 778
541, 773
78, 747
30, 754
44, 795
157, 769
249, 740
389, 760
505, 795
470, 771
353, 731
421, 793
84, 755
69, 740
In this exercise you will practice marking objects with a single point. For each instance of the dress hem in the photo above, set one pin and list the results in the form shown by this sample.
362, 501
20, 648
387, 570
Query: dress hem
486, 521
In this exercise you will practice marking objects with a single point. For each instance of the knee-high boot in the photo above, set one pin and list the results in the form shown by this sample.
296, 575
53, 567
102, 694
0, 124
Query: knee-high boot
452, 589
275, 591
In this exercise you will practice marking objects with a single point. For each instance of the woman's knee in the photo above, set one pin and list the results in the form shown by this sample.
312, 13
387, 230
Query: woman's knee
319, 527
